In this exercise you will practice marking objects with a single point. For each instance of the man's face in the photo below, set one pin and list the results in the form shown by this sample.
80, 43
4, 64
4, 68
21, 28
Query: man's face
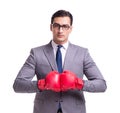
61, 29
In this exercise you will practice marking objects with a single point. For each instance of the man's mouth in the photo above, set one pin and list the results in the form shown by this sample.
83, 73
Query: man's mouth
60, 36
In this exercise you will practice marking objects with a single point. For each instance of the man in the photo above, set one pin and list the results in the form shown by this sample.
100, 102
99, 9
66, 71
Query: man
59, 67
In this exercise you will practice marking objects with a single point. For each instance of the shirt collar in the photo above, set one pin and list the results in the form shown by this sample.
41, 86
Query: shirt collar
65, 45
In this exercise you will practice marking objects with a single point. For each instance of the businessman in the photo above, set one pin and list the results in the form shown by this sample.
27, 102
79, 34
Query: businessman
59, 67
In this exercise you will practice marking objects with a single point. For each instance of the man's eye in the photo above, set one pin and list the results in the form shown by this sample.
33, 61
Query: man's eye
56, 25
65, 26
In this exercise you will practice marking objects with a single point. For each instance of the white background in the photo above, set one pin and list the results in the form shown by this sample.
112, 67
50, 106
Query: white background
24, 24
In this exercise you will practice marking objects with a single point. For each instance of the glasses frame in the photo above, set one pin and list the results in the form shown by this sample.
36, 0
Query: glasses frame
64, 27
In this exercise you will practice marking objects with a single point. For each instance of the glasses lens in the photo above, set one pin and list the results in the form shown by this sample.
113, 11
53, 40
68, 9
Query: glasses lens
65, 27
56, 26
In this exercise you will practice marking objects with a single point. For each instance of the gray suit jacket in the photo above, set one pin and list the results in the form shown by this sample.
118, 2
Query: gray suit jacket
41, 61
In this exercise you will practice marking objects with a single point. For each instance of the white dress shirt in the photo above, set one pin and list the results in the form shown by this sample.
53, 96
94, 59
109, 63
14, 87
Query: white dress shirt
63, 50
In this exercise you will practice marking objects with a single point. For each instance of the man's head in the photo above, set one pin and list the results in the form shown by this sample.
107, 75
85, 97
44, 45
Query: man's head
62, 13
61, 26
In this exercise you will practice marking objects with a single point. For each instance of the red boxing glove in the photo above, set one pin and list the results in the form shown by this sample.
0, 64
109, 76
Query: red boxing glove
51, 82
41, 84
70, 81
79, 83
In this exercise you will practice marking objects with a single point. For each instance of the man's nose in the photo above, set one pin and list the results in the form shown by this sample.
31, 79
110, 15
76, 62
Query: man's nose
60, 29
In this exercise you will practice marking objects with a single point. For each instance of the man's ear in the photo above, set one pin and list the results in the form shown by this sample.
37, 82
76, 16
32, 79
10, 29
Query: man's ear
51, 27
71, 27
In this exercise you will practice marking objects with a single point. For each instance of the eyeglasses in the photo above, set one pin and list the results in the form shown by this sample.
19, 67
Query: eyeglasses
64, 27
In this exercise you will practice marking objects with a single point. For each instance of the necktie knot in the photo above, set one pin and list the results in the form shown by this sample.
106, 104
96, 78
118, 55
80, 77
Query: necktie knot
59, 46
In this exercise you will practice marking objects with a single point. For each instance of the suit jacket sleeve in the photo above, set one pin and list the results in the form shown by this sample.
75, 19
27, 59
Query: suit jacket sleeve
23, 82
95, 82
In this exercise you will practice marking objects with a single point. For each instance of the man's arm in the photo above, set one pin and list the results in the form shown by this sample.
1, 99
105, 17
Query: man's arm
23, 82
95, 82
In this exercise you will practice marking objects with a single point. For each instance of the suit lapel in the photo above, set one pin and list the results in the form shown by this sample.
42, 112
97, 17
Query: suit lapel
70, 55
48, 51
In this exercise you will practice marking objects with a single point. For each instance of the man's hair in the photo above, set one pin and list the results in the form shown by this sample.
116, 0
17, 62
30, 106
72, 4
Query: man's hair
62, 13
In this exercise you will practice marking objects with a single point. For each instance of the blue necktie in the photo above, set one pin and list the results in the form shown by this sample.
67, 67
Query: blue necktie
60, 70
59, 59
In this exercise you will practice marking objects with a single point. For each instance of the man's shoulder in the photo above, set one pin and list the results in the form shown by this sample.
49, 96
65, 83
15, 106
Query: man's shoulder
41, 46
77, 46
